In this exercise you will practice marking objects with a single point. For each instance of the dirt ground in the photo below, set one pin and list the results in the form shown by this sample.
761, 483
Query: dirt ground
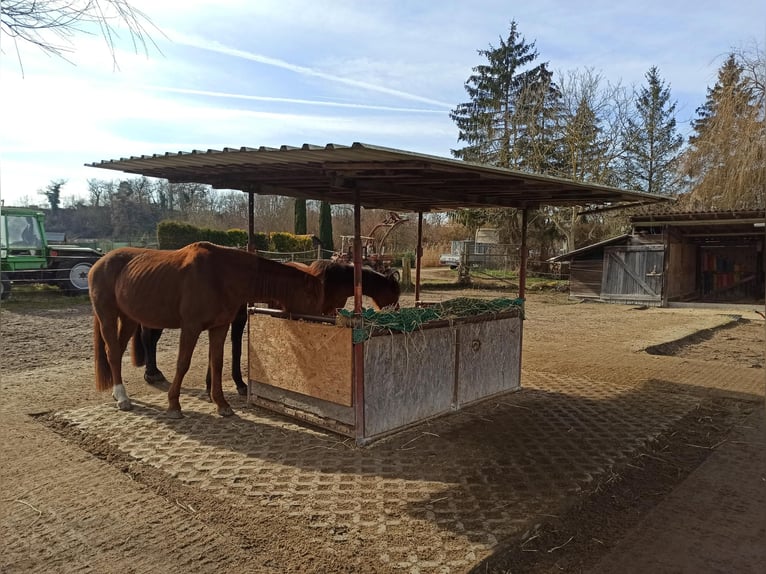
619, 406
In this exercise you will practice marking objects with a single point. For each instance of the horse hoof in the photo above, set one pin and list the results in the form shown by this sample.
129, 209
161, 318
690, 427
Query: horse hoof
242, 391
225, 411
175, 414
125, 405
156, 379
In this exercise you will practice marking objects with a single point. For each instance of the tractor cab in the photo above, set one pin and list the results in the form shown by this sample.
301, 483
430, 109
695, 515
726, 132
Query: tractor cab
22, 239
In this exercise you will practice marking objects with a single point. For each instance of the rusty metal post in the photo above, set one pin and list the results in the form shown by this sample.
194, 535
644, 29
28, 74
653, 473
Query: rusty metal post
418, 257
250, 221
523, 252
358, 348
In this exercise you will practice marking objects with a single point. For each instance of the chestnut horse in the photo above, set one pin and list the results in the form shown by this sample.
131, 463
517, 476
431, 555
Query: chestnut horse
196, 288
338, 282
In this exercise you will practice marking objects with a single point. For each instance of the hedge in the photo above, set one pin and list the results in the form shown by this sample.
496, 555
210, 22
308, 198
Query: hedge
173, 234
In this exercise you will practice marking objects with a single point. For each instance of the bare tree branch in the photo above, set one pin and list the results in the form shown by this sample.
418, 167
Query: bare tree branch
51, 25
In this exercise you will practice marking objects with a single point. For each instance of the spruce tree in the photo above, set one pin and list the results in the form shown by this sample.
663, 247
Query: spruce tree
496, 123
651, 140
507, 120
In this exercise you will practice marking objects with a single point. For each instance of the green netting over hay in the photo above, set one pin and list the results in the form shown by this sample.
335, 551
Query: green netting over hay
408, 319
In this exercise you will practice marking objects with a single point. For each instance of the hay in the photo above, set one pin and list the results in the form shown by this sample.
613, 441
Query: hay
409, 319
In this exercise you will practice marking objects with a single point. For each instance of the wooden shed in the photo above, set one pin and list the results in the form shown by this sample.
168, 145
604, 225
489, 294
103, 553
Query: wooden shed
674, 256
367, 387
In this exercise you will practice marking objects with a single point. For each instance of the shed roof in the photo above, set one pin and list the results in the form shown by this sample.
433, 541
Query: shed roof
668, 215
705, 226
592, 247
386, 178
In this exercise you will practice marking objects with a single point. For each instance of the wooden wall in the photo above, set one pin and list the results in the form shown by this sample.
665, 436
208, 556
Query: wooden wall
633, 274
585, 278
681, 281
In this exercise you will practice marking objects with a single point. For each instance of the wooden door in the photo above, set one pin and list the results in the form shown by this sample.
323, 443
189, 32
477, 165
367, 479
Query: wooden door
633, 273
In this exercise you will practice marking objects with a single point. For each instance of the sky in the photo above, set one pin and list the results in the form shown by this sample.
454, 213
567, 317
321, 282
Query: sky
232, 73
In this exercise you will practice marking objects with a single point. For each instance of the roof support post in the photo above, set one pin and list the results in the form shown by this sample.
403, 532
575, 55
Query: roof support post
665, 266
524, 254
358, 348
250, 220
357, 253
418, 257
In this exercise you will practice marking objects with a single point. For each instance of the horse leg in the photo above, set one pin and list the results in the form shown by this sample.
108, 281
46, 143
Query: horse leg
237, 331
185, 352
217, 337
111, 334
149, 339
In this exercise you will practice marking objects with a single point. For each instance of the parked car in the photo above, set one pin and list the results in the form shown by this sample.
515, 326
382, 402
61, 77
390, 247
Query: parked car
451, 259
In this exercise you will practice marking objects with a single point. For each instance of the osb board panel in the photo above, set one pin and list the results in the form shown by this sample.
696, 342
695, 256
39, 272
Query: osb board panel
488, 358
408, 377
313, 359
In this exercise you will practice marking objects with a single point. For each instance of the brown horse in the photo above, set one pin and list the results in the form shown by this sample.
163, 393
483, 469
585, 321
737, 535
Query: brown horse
199, 287
338, 282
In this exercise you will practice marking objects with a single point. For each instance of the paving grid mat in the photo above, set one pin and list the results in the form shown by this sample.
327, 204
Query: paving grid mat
436, 498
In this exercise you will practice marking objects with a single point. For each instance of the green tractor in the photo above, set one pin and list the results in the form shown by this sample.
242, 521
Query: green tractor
27, 257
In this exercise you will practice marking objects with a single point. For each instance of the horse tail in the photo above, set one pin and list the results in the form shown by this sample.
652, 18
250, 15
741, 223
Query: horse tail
137, 349
103, 370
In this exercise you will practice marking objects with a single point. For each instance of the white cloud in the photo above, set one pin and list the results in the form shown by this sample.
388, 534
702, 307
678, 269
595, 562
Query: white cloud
238, 72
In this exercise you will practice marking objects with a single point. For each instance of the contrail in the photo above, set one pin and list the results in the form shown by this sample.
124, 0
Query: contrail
291, 100
214, 46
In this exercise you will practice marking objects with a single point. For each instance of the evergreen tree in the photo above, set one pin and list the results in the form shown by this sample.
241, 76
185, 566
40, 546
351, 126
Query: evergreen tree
325, 226
300, 216
496, 123
590, 119
538, 110
580, 159
508, 121
651, 141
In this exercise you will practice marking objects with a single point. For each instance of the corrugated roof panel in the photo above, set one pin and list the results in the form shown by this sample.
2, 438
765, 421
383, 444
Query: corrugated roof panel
383, 177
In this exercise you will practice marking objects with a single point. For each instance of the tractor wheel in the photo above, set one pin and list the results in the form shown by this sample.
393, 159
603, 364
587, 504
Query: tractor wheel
5, 287
74, 281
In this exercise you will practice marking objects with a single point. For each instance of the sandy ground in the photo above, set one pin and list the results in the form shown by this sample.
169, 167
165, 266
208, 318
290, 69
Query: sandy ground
553, 478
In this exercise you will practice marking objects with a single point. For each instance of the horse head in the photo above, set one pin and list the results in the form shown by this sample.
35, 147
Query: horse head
388, 292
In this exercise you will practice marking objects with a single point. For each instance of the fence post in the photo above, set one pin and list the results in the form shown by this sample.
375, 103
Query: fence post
406, 271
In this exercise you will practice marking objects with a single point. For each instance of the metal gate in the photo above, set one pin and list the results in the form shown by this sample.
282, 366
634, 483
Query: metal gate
633, 273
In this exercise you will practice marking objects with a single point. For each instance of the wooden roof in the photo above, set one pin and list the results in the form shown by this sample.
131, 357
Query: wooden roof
705, 226
592, 247
385, 178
